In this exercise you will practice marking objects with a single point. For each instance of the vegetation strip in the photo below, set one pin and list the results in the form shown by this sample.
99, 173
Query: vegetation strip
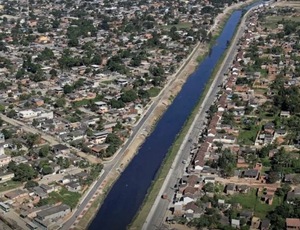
89, 215
166, 164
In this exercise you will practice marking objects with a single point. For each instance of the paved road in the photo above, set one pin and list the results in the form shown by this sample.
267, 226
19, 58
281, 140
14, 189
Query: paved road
158, 211
29, 129
113, 165
51, 139
16, 219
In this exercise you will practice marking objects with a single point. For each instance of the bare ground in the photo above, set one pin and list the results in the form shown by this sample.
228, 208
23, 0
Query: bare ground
295, 4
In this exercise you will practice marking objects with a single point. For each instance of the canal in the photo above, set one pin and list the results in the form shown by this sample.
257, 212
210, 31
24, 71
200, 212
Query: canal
129, 191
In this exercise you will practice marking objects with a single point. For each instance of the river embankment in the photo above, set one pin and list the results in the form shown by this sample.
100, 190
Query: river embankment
170, 92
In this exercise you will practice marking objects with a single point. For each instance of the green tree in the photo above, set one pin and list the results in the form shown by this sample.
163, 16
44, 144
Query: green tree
113, 139
129, 96
135, 61
32, 139
2, 108
60, 102
117, 103
46, 54
44, 151
7, 133
114, 143
283, 190
273, 177
53, 73
24, 172
227, 162
35, 122
43, 202
68, 89
11, 167
55, 24
208, 187
63, 162
31, 184
73, 42
11, 113
46, 170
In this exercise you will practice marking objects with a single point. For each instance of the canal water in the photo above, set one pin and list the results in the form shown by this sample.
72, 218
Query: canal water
128, 193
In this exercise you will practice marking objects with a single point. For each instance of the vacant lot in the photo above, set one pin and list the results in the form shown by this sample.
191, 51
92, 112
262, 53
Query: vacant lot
252, 202
9, 185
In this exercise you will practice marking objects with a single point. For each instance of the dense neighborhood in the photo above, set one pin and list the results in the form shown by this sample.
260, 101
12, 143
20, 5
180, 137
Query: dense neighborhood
76, 78
244, 171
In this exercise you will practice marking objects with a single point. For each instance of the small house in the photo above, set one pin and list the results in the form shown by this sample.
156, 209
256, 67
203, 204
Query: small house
292, 223
230, 188
251, 174
73, 187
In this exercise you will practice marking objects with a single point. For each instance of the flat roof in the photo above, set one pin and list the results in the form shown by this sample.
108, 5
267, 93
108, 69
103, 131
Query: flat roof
53, 210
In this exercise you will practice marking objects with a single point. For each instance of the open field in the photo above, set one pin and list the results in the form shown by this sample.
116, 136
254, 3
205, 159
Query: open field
294, 4
9, 185
252, 202
247, 137
64, 196
272, 21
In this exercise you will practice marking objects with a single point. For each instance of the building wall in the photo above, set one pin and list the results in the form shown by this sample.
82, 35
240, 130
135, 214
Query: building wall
27, 114
54, 215
5, 161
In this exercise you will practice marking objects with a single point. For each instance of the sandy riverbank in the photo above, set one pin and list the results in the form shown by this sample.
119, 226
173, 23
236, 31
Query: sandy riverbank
170, 92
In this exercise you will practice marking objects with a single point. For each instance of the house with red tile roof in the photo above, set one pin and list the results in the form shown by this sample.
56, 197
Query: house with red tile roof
292, 223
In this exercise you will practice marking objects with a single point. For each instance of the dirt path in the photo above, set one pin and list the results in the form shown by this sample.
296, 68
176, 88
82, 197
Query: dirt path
250, 182
295, 4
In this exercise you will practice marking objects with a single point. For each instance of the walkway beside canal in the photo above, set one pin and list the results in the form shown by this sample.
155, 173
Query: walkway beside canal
129, 191
157, 213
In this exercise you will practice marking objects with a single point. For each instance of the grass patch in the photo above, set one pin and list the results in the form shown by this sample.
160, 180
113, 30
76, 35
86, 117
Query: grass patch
247, 137
9, 185
260, 90
252, 202
153, 91
273, 21
280, 18
64, 196
200, 58
107, 82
